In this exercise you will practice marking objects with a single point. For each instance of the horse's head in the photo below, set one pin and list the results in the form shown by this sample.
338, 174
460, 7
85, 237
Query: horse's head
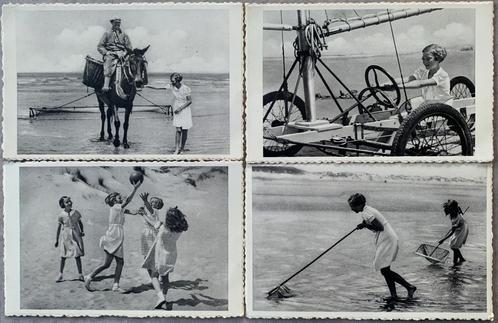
138, 66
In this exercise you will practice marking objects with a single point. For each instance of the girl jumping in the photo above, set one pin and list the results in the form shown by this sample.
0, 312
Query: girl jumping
161, 259
386, 243
459, 230
69, 236
112, 241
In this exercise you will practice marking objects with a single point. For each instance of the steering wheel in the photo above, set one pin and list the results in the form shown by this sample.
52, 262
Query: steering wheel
372, 74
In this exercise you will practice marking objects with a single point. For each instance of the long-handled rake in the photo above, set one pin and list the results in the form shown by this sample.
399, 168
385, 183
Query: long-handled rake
282, 291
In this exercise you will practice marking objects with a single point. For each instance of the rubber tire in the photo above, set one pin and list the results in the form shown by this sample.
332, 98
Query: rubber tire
426, 110
299, 103
463, 80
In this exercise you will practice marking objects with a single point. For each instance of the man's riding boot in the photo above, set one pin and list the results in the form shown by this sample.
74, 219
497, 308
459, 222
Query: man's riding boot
106, 88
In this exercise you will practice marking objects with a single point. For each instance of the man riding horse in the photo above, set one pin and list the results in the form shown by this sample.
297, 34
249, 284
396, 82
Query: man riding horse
113, 45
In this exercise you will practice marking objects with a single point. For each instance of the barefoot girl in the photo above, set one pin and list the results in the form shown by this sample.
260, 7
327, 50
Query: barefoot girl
112, 241
386, 242
182, 116
161, 259
432, 79
69, 237
459, 230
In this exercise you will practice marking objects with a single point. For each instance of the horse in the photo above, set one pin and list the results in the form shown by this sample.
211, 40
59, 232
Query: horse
134, 74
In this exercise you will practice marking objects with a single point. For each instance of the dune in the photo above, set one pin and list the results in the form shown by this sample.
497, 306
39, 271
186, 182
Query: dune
200, 279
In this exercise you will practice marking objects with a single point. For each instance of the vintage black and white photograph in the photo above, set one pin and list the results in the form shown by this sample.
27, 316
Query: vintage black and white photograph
391, 241
124, 240
123, 80
358, 82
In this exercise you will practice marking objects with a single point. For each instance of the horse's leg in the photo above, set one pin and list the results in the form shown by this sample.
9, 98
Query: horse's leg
110, 113
117, 123
125, 127
102, 118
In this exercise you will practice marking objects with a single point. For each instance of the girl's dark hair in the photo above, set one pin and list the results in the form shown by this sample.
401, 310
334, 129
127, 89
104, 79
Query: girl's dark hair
109, 200
357, 199
452, 208
160, 201
61, 201
175, 220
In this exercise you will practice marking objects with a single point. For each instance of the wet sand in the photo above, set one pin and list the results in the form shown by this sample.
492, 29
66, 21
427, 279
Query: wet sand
200, 278
295, 219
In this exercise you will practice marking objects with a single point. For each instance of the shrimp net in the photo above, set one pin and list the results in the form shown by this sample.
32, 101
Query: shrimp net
432, 253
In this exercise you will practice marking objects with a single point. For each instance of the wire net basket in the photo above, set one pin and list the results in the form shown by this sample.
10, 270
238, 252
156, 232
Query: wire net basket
432, 253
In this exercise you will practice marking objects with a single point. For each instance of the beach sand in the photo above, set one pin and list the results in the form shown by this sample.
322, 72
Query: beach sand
200, 278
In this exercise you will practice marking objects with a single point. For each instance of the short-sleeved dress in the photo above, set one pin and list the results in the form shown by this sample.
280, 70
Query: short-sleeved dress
149, 234
70, 239
112, 241
161, 258
439, 92
386, 241
461, 233
183, 118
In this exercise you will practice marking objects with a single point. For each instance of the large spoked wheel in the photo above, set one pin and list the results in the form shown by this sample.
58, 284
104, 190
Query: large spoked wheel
461, 88
433, 130
375, 78
278, 116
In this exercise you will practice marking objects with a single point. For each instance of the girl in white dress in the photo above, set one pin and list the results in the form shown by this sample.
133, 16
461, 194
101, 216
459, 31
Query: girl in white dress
69, 237
112, 241
386, 243
459, 230
161, 259
182, 115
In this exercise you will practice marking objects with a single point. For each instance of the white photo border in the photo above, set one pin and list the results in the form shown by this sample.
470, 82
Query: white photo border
12, 243
251, 313
484, 70
9, 125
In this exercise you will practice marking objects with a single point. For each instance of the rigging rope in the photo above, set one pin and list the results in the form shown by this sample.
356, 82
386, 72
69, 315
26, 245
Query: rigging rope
408, 106
283, 46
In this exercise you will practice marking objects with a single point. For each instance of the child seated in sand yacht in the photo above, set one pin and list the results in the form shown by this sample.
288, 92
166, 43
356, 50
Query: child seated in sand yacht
432, 79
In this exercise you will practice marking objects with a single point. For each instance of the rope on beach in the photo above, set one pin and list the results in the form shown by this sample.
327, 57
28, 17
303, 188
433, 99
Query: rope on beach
165, 109
33, 112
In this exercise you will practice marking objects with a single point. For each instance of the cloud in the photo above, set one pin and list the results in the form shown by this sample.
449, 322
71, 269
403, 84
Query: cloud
413, 39
170, 49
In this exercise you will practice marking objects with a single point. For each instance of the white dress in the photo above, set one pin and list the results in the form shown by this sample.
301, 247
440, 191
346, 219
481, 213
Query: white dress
162, 256
439, 92
112, 241
386, 241
183, 119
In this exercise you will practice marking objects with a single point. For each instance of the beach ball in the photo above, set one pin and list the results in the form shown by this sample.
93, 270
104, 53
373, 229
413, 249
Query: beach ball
136, 177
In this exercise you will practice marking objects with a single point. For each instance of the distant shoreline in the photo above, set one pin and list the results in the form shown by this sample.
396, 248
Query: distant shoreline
81, 73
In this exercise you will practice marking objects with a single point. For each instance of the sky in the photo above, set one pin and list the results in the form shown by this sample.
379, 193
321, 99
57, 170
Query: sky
451, 28
187, 41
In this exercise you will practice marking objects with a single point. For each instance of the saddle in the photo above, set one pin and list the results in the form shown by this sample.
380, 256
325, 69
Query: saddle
93, 75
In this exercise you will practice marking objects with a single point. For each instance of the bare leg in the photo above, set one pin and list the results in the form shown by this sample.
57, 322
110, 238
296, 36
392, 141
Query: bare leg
96, 271
165, 284
178, 139
184, 139
61, 270
78, 265
386, 272
157, 288
119, 269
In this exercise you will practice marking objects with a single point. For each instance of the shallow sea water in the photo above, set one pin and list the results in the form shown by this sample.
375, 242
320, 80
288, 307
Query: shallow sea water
295, 220
149, 132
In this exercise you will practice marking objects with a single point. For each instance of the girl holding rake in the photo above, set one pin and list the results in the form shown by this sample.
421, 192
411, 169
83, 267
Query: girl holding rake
386, 243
